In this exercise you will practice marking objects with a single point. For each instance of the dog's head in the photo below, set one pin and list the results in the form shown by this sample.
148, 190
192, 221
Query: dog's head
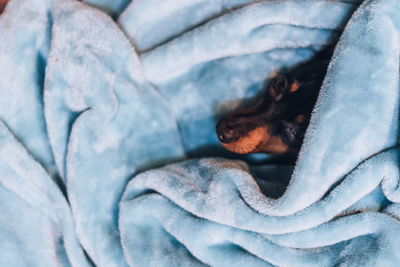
275, 125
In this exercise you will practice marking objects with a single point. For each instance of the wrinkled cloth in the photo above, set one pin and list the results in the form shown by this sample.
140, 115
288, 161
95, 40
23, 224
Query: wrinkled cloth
104, 104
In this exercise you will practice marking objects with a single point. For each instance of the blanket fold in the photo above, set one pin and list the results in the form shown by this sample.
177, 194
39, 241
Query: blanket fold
99, 121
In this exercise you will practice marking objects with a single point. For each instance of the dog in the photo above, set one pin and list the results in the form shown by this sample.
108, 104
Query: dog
277, 123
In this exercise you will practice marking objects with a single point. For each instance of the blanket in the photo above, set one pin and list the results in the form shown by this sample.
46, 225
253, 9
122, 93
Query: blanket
108, 152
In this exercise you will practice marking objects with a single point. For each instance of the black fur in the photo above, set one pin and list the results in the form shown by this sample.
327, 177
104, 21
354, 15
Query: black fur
280, 105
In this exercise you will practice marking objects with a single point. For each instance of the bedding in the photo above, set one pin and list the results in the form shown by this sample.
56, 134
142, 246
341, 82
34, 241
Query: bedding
108, 152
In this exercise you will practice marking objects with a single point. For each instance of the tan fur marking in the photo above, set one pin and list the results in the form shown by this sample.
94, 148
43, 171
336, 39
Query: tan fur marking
250, 142
299, 118
294, 87
258, 140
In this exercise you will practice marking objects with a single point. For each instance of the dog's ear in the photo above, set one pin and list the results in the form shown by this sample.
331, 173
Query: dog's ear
278, 87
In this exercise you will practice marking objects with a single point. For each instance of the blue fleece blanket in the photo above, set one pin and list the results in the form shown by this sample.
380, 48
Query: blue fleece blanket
104, 104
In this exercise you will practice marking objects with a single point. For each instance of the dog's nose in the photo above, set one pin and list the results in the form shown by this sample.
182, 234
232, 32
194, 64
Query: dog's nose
226, 131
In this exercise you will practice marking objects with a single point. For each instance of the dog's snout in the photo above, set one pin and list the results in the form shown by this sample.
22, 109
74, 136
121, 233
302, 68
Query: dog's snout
226, 131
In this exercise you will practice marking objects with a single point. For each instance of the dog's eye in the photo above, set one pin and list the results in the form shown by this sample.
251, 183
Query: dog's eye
291, 133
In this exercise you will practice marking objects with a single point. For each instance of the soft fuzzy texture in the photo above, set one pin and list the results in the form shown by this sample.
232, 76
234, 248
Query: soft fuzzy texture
89, 102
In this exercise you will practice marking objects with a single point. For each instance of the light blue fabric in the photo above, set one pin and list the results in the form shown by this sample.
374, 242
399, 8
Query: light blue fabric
113, 8
93, 110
